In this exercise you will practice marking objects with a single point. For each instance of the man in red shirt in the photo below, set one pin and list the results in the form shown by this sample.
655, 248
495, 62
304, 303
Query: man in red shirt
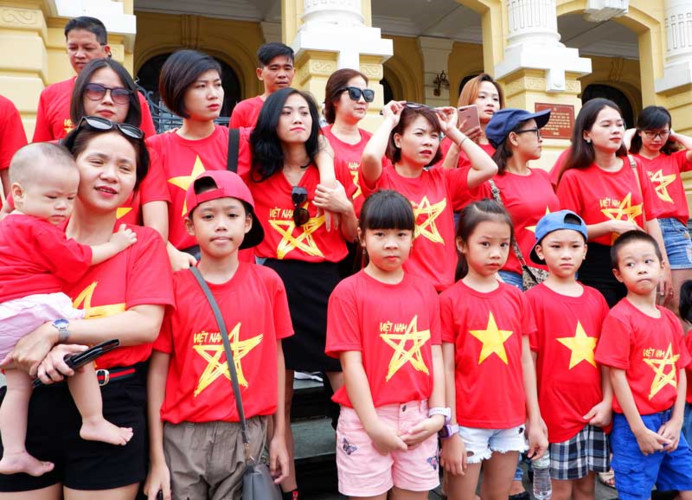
275, 69
86, 39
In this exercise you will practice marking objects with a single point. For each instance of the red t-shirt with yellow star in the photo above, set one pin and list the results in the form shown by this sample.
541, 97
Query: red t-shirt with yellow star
198, 386
53, 114
176, 162
569, 379
432, 195
527, 198
310, 242
348, 156
139, 275
664, 172
598, 196
487, 331
393, 327
650, 350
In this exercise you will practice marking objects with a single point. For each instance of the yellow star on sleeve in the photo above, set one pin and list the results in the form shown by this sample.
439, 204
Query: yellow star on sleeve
401, 356
581, 345
184, 181
662, 379
493, 340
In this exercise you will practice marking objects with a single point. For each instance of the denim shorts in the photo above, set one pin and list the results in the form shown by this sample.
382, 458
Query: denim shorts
512, 278
678, 245
482, 443
687, 422
636, 473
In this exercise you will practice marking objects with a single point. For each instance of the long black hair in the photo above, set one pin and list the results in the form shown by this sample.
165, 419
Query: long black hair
267, 153
653, 118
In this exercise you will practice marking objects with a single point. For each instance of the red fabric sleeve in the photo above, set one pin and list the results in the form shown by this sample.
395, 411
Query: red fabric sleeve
69, 259
681, 159
154, 187
147, 123
568, 193
446, 319
435, 323
164, 342
42, 131
149, 279
12, 136
282, 316
652, 207
342, 324
613, 347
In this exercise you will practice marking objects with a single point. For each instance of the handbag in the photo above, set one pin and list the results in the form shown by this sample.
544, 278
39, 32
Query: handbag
530, 276
258, 483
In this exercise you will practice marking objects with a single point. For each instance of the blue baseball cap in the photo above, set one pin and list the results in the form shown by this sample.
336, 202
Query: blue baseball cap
506, 120
564, 219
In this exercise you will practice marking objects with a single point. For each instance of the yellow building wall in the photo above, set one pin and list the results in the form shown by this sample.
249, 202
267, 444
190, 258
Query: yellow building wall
465, 59
234, 42
623, 74
404, 70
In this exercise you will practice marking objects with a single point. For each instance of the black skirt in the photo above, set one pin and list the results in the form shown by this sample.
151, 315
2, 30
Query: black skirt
597, 272
308, 286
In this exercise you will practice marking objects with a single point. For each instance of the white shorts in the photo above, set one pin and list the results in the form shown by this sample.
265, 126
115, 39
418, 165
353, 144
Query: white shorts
481, 443
20, 317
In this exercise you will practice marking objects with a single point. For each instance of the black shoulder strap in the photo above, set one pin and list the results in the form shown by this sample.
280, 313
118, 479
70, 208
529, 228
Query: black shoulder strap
233, 146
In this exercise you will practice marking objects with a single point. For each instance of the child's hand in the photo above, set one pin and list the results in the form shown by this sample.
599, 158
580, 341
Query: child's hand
180, 260
600, 415
158, 479
650, 442
453, 455
538, 439
332, 199
123, 238
278, 458
385, 439
423, 430
671, 431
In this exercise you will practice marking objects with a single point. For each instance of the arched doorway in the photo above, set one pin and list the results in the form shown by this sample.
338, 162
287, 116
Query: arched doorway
387, 92
599, 90
148, 81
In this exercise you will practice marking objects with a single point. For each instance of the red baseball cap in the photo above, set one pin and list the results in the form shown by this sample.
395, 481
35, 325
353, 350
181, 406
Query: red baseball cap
228, 185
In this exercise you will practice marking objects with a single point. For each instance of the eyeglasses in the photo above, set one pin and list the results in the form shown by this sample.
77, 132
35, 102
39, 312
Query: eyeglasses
356, 93
661, 134
536, 131
299, 195
98, 123
96, 92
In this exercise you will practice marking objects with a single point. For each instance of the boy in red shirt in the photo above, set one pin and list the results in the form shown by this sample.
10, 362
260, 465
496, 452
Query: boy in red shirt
575, 402
643, 345
190, 394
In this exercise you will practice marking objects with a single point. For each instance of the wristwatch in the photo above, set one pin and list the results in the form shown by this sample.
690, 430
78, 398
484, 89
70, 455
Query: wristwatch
440, 410
448, 431
61, 326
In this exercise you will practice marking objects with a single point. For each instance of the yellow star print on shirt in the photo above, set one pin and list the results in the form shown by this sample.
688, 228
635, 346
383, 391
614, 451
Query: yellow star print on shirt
122, 212
661, 183
581, 345
216, 366
533, 228
354, 175
184, 181
427, 226
401, 356
658, 366
625, 211
83, 301
493, 340
303, 241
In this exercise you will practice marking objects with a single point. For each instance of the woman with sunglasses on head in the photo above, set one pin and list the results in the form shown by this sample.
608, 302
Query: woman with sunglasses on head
410, 138
104, 88
599, 183
664, 154
120, 301
298, 243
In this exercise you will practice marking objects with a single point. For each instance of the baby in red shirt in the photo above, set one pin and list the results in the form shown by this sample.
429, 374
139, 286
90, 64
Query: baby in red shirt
36, 260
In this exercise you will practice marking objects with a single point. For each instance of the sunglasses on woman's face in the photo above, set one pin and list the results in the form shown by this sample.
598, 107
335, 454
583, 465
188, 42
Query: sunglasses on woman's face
299, 195
96, 92
98, 123
356, 93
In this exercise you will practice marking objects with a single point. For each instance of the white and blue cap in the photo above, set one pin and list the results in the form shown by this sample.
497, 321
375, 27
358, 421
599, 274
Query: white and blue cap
506, 120
564, 219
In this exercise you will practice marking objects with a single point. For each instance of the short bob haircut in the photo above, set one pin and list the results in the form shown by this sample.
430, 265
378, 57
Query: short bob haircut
179, 72
469, 93
653, 118
386, 209
335, 87
267, 154
90, 24
77, 141
632, 236
581, 153
269, 51
134, 113
408, 116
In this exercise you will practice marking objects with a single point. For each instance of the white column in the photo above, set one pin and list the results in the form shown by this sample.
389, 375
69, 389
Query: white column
435, 52
337, 26
110, 13
678, 67
598, 11
534, 43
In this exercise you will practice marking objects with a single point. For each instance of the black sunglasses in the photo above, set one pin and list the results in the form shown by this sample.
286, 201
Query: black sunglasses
99, 123
96, 92
299, 195
355, 93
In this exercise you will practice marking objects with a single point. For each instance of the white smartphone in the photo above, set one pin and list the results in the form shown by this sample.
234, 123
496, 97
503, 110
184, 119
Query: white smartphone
468, 115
